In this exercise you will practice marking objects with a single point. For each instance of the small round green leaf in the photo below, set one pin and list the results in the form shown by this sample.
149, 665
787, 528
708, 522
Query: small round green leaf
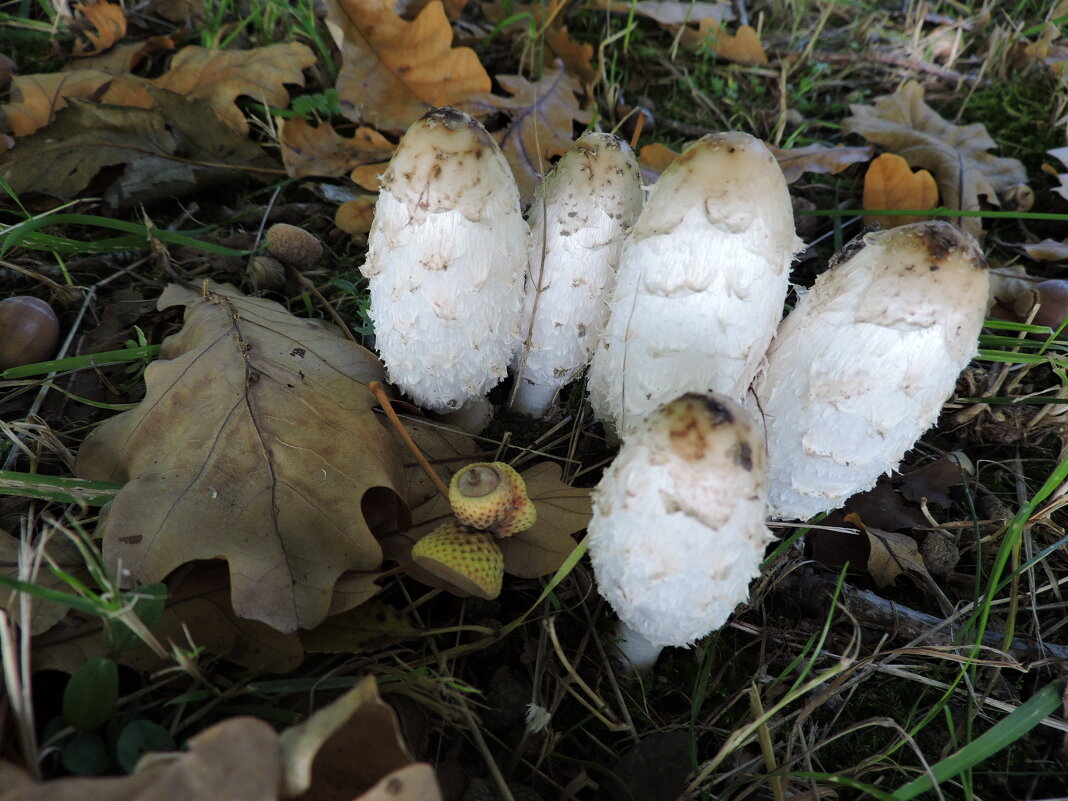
86, 755
137, 739
91, 694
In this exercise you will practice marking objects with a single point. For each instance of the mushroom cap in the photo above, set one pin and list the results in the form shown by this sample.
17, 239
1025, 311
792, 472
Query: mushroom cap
445, 261
701, 284
468, 560
861, 367
678, 519
578, 219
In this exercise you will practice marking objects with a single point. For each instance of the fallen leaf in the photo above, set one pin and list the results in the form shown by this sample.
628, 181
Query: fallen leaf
186, 12
123, 58
320, 150
213, 78
255, 443
577, 57
1062, 154
369, 176
542, 116
236, 760
100, 23
218, 77
892, 554
669, 13
819, 159
956, 154
368, 626
394, 70
415, 782
356, 216
656, 158
890, 184
742, 47
167, 151
1047, 250
932, 482
318, 754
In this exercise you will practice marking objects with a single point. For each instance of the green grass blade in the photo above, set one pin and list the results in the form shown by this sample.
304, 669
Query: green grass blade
82, 362
57, 488
1002, 735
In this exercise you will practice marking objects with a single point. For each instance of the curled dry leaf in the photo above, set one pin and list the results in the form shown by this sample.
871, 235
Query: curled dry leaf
542, 114
395, 70
255, 443
956, 154
742, 47
317, 755
889, 184
99, 24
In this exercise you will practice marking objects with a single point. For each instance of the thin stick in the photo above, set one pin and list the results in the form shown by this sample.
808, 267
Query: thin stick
387, 407
308, 285
634, 137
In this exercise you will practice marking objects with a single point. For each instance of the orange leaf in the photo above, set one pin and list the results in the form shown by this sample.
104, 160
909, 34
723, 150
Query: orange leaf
395, 70
218, 78
355, 216
320, 150
742, 48
35, 99
890, 184
577, 56
656, 157
367, 175
102, 24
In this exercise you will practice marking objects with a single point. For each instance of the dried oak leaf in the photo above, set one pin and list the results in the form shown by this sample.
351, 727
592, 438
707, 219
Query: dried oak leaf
394, 70
165, 151
890, 184
208, 77
742, 47
236, 760
956, 154
320, 150
99, 23
218, 77
255, 443
542, 115
317, 755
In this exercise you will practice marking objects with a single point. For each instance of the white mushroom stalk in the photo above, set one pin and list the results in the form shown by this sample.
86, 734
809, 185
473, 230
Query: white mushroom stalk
678, 523
701, 284
445, 262
578, 219
861, 367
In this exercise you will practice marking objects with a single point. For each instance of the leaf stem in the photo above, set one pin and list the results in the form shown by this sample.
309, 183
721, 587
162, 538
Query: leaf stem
387, 407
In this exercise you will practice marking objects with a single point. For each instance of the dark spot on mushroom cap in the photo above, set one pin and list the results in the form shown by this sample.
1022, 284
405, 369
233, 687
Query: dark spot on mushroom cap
719, 413
690, 419
744, 457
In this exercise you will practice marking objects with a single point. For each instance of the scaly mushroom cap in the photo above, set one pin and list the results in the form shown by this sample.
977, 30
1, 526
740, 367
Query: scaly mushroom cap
701, 284
492, 496
578, 219
861, 367
467, 559
678, 519
445, 261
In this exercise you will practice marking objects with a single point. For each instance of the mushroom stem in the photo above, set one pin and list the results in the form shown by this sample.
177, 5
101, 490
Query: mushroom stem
639, 654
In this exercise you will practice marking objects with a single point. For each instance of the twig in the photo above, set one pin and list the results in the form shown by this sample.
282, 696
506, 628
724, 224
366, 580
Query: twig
387, 407
304, 282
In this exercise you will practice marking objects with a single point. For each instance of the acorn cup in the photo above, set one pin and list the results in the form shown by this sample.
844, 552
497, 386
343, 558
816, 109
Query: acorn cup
492, 496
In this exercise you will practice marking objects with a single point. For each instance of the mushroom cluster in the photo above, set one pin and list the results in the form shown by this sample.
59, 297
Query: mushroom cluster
680, 306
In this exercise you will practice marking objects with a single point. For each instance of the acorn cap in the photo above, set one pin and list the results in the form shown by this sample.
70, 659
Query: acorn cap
465, 558
492, 496
293, 245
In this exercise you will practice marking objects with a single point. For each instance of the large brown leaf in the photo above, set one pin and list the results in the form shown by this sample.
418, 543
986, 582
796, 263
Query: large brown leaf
166, 151
255, 443
956, 154
320, 150
394, 70
542, 116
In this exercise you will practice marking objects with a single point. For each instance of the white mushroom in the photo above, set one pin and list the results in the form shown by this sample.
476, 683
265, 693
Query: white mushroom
445, 262
678, 523
701, 282
861, 367
578, 219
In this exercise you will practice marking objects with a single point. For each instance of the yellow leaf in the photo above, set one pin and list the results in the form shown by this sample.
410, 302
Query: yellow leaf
889, 185
101, 23
395, 70
356, 216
